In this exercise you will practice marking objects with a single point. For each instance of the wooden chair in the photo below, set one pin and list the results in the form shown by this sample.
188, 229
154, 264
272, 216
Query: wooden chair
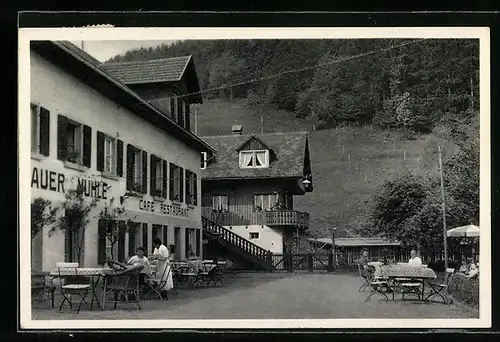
377, 285
74, 285
441, 289
42, 288
157, 280
410, 287
121, 284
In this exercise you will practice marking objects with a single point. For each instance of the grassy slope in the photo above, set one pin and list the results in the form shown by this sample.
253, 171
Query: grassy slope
342, 188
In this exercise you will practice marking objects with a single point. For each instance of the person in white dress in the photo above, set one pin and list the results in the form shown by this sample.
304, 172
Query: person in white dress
161, 257
414, 260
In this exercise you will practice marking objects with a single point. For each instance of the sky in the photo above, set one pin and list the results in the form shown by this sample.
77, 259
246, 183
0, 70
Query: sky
104, 50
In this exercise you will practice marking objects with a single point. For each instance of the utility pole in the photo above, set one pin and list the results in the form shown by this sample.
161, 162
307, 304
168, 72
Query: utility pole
443, 205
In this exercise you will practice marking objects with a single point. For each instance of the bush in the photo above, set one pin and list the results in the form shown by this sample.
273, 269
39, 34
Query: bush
438, 266
466, 291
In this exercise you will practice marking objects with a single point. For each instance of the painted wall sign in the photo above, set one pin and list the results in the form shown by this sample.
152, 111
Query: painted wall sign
55, 181
162, 208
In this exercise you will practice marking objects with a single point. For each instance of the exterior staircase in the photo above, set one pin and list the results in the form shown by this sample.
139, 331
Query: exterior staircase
256, 255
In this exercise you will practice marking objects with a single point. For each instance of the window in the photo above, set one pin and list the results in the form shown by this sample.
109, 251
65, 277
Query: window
264, 201
176, 183
203, 160
109, 155
138, 169
191, 242
35, 129
137, 163
74, 142
254, 159
253, 236
220, 203
174, 111
159, 176
191, 188
180, 114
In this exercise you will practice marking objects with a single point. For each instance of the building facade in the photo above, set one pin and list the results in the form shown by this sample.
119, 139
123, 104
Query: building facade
92, 133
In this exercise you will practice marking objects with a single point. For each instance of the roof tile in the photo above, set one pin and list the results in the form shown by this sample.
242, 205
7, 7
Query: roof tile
152, 71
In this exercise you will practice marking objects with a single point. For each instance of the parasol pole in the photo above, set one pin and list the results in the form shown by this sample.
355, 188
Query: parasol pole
443, 206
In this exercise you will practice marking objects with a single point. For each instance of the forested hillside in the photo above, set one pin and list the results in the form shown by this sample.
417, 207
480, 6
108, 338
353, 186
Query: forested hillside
393, 83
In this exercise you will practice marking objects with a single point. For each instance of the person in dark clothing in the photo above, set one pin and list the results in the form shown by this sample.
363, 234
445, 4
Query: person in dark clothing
363, 263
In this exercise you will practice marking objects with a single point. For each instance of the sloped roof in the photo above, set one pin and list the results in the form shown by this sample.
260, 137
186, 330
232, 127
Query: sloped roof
356, 242
289, 151
152, 71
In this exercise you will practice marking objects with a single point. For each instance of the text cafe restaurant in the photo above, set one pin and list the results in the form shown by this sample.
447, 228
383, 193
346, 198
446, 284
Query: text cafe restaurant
93, 133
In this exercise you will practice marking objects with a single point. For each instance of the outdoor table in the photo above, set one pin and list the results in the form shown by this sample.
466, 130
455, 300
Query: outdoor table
94, 273
410, 272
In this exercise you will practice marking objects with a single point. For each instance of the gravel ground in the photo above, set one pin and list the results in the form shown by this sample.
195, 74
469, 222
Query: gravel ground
270, 296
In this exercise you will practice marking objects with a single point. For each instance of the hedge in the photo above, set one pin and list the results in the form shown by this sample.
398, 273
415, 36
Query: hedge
465, 290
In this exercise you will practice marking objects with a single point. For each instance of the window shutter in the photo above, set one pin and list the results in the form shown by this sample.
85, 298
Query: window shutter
87, 146
172, 175
181, 181
188, 117
119, 158
165, 236
186, 244
121, 241
145, 237
101, 242
195, 190
172, 108
198, 237
131, 240
44, 131
100, 151
144, 172
152, 179
165, 178
130, 167
188, 188
62, 146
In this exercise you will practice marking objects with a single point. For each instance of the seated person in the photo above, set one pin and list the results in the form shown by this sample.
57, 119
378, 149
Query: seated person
363, 263
140, 259
464, 267
414, 259
473, 271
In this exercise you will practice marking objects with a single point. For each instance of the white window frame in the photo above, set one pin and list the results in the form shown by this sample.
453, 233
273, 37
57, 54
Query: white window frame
204, 162
138, 168
253, 238
35, 128
112, 155
78, 141
217, 199
254, 158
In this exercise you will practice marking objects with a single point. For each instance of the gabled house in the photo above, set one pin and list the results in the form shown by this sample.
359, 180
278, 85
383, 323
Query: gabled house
169, 84
248, 189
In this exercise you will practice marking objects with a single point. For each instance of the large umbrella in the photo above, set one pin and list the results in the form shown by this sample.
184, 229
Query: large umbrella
464, 231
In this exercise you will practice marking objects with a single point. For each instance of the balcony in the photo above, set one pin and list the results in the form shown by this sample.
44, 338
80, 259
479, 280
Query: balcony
271, 218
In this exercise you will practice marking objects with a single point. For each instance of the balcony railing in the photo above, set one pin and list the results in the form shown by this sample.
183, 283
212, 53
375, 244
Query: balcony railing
267, 217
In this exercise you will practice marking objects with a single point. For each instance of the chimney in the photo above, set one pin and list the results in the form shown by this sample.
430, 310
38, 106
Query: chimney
237, 129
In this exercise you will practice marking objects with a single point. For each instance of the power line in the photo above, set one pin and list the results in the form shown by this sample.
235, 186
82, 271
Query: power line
334, 61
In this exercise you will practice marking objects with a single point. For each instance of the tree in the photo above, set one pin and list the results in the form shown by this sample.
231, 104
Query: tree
117, 222
76, 209
42, 215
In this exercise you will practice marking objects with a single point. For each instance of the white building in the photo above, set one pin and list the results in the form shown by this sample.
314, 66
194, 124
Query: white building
91, 130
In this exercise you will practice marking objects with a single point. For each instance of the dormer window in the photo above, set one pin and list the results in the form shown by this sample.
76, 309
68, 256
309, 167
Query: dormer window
254, 159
